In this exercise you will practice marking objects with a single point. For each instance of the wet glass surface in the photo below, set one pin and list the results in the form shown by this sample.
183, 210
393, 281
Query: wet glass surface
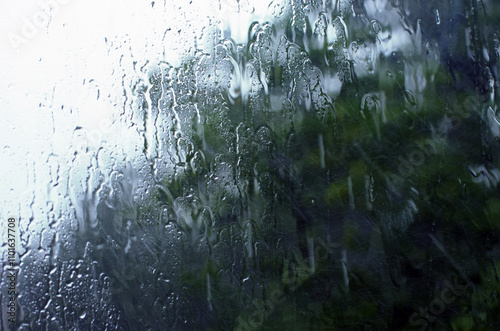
246, 165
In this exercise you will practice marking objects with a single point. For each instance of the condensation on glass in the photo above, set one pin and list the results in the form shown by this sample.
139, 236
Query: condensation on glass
294, 164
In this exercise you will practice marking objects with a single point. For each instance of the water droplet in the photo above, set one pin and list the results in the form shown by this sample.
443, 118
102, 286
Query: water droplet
410, 98
376, 27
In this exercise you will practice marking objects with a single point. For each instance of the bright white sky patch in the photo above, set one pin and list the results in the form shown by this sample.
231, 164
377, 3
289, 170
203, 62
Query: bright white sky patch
62, 65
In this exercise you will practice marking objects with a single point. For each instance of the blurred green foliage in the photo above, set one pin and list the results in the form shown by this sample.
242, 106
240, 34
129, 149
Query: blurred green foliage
356, 206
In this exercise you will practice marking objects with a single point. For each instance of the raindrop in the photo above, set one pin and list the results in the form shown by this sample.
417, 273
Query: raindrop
375, 26
410, 98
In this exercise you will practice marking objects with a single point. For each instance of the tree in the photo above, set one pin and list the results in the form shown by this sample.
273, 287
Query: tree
292, 203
